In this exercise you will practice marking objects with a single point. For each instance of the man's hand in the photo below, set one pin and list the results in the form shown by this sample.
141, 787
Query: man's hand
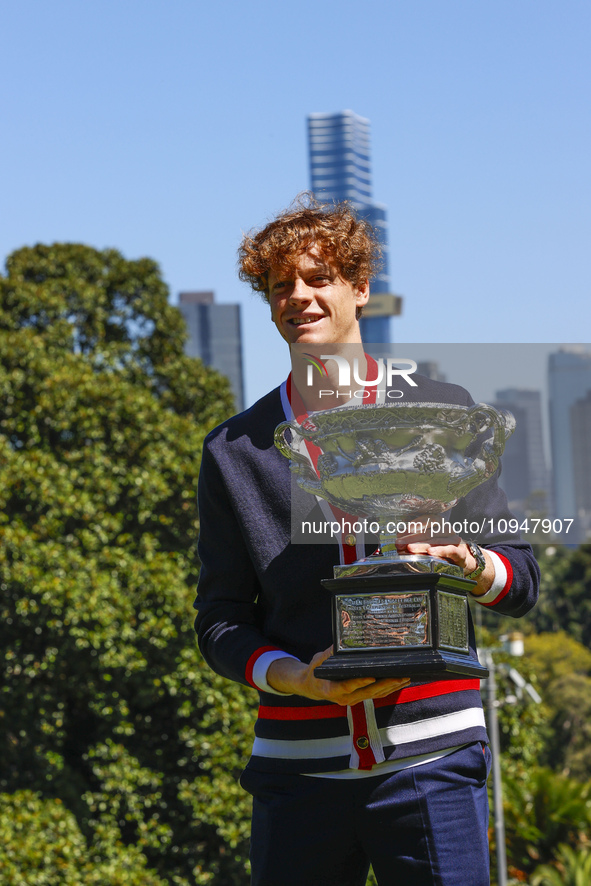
297, 678
447, 547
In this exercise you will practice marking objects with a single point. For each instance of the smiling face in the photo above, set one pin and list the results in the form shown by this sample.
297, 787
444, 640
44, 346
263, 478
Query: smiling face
313, 303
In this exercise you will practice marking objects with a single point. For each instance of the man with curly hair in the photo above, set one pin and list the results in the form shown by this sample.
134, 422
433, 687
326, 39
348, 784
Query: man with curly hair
391, 771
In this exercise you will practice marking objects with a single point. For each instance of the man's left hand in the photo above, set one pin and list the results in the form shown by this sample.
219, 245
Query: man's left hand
447, 547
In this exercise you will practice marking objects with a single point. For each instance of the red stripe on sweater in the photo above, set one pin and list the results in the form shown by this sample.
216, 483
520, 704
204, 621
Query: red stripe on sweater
508, 583
318, 712
361, 737
253, 660
429, 690
403, 696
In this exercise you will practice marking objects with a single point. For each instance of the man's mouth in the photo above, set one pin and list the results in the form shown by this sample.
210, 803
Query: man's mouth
300, 321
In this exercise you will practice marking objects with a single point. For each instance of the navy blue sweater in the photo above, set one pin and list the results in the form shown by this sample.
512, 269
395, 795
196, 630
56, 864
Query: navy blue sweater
259, 592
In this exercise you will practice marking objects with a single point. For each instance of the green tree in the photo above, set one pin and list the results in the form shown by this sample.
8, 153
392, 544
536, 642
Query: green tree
523, 726
543, 809
41, 845
572, 868
563, 669
565, 603
105, 703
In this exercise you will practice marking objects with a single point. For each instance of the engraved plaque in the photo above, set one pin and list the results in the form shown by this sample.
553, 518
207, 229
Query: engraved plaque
382, 621
453, 622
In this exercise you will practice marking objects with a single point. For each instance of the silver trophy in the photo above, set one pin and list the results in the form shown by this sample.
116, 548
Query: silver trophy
395, 465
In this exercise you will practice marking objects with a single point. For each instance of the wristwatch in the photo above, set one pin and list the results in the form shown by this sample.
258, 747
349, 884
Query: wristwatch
480, 561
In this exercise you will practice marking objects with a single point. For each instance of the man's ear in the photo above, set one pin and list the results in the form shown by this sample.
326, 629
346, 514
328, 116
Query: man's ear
362, 297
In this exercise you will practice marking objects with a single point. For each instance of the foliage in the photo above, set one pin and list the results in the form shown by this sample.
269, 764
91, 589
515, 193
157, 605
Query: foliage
523, 724
555, 656
572, 868
563, 669
41, 845
565, 603
523, 727
542, 810
105, 704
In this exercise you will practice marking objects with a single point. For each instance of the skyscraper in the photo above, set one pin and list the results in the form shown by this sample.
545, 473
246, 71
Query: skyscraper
580, 414
340, 169
569, 380
340, 165
524, 464
215, 337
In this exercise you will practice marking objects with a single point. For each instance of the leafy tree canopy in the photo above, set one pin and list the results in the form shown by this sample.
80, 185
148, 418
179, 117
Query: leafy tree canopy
41, 845
543, 810
565, 603
556, 655
105, 704
563, 669
113, 312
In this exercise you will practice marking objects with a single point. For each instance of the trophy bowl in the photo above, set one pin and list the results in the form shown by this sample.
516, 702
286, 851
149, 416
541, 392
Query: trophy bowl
396, 464
396, 461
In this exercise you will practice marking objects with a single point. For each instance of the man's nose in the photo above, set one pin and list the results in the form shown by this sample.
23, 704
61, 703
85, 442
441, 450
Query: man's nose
300, 291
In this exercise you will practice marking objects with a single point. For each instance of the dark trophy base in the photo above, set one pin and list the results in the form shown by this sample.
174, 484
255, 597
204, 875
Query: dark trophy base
402, 625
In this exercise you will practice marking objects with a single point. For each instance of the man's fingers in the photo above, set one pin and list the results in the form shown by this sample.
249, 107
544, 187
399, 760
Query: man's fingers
426, 532
425, 539
353, 690
379, 689
321, 656
348, 688
390, 689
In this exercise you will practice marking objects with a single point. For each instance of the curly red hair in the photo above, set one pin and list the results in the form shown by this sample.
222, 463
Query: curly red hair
343, 239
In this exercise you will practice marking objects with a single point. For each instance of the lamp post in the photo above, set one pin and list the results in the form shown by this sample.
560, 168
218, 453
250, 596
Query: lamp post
513, 644
493, 731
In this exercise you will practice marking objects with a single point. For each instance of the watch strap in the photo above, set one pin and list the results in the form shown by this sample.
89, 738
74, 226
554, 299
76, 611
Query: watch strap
476, 552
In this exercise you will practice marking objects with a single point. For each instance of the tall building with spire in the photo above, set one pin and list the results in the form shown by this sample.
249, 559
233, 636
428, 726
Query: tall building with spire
340, 169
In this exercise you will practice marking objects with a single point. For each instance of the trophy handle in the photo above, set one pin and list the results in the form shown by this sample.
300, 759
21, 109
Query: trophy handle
503, 423
307, 479
281, 443
486, 461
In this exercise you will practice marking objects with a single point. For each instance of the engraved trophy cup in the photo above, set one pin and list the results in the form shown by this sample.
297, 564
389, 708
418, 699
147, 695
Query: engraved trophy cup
393, 614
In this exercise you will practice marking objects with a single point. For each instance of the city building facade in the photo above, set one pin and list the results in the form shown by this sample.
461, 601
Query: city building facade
569, 381
580, 414
525, 476
215, 337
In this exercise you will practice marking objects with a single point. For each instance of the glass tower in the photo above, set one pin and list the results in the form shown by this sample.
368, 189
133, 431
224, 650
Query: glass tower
340, 169
569, 381
215, 337
524, 463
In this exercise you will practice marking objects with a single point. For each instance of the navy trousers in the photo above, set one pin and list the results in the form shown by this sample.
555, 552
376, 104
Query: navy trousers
425, 826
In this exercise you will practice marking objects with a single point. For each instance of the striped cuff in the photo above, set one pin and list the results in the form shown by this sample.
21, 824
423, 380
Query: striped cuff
262, 665
501, 582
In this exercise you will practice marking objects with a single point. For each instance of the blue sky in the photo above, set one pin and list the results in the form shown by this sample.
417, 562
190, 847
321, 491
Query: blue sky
167, 128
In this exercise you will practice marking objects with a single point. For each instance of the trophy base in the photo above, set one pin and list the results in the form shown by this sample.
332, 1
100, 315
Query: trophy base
400, 625
427, 663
